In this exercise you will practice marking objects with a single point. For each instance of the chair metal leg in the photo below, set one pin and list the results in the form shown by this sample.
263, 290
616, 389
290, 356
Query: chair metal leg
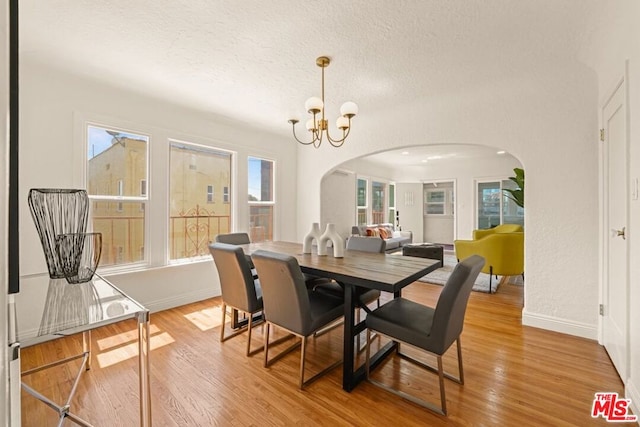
302, 354
224, 314
460, 369
250, 324
303, 343
248, 328
367, 362
443, 398
442, 410
266, 344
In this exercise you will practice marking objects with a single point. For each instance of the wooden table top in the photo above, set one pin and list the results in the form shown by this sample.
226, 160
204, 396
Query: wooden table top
385, 272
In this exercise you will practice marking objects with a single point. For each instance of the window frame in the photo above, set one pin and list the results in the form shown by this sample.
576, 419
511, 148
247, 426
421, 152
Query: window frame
193, 167
120, 199
211, 194
272, 202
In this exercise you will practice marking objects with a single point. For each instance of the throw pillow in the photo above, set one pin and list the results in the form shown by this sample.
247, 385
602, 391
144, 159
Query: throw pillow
373, 232
383, 233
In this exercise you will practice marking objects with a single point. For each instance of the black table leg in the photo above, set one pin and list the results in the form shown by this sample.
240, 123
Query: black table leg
349, 332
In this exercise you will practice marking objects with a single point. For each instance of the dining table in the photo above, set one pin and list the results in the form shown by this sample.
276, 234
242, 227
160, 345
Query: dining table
356, 269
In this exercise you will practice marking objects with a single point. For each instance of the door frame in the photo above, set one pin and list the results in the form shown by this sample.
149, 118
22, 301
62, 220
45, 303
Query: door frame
604, 215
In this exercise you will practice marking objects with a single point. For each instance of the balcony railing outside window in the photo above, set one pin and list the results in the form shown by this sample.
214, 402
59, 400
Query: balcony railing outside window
200, 176
191, 232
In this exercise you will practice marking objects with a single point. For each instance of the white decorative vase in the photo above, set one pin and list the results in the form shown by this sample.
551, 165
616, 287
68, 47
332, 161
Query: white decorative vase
315, 233
330, 234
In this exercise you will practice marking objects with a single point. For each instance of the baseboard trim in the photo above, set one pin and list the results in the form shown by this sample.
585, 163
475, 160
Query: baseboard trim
631, 392
557, 324
180, 300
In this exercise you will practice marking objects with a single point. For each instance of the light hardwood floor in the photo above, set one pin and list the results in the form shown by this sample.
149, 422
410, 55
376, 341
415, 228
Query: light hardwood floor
514, 375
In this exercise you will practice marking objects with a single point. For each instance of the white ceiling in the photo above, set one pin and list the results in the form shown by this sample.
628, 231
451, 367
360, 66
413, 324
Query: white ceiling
254, 61
432, 155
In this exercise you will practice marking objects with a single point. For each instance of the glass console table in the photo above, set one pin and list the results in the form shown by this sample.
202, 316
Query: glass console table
68, 309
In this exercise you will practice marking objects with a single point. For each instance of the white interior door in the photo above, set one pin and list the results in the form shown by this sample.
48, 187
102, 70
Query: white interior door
616, 278
439, 212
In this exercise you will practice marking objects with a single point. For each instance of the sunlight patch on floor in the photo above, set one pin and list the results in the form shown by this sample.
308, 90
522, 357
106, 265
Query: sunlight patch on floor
122, 353
206, 319
123, 338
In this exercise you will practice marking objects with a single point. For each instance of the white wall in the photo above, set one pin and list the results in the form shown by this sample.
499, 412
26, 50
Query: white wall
615, 39
547, 120
53, 107
338, 202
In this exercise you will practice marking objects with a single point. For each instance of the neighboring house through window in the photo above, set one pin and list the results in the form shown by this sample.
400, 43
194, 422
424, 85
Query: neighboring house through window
117, 160
194, 217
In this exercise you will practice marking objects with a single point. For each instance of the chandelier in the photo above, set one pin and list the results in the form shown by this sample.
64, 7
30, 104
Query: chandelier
318, 124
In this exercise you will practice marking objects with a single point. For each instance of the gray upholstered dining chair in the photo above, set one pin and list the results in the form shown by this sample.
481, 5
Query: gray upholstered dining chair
433, 330
235, 239
290, 305
239, 288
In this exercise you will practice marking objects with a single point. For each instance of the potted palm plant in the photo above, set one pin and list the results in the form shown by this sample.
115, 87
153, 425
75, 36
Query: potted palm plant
517, 194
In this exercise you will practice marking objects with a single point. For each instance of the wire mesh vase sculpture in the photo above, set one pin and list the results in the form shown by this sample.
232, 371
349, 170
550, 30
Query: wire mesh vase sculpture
58, 211
79, 255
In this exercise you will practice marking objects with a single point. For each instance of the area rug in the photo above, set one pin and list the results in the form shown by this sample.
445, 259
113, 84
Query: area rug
440, 276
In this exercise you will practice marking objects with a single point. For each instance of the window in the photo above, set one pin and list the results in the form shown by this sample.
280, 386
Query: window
143, 192
377, 202
209, 193
194, 171
392, 204
361, 201
225, 195
120, 193
117, 161
261, 199
494, 208
434, 203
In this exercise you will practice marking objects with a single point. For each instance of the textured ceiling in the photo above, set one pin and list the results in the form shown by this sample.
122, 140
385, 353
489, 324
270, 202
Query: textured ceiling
254, 61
